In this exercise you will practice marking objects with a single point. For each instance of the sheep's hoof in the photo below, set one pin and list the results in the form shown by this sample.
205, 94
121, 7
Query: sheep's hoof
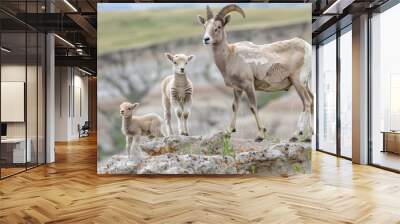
184, 134
233, 130
293, 139
258, 139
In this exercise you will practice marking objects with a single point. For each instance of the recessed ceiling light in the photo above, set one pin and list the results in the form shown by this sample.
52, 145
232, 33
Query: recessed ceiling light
338, 6
5, 50
84, 71
70, 5
64, 40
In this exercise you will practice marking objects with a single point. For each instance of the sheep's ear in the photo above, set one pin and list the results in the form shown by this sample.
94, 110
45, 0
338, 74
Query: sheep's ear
227, 19
191, 57
135, 105
170, 57
201, 19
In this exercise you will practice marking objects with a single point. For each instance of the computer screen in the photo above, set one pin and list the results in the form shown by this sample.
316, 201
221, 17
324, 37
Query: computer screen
3, 129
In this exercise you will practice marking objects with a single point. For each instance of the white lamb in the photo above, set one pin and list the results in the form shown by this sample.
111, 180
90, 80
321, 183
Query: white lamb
133, 127
177, 91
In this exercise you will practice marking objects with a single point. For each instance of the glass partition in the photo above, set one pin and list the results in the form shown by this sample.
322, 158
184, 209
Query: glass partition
13, 92
31, 97
22, 101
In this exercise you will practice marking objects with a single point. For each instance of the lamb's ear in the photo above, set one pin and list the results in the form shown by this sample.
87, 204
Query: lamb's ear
134, 106
191, 57
227, 19
201, 19
170, 57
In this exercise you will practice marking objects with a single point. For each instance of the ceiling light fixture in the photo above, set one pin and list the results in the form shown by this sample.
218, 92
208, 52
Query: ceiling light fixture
79, 51
5, 50
70, 5
337, 7
64, 40
84, 71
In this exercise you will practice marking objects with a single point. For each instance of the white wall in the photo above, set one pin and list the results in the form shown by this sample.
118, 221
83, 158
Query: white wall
62, 80
16, 73
71, 93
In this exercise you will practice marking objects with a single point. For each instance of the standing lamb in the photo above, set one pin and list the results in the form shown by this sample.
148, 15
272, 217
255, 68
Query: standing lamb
177, 91
133, 127
247, 67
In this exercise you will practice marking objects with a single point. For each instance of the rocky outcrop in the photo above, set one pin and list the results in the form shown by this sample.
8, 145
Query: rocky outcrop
214, 154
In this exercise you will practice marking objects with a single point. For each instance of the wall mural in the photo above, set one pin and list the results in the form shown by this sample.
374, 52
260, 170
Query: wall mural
204, 88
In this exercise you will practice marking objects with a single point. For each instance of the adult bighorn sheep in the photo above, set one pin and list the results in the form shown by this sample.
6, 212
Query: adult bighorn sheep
247, 67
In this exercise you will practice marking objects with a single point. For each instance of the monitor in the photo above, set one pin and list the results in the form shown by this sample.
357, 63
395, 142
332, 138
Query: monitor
3, 129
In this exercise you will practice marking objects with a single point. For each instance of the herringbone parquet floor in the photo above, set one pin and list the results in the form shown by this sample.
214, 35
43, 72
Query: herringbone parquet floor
70, 191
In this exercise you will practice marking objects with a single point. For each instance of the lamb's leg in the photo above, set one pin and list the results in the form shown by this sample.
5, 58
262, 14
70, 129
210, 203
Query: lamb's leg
167, 115
185, 118
137, 153
237, 94
128, 144
155, 129
179, 115
251, 95
185, 115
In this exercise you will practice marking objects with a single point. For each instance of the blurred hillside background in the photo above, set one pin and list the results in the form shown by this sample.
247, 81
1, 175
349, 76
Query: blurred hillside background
132, 40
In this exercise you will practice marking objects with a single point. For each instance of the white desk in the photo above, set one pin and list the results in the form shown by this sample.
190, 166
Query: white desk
19, 149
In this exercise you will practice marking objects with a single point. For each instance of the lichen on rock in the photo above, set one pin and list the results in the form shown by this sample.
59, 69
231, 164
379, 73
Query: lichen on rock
218, 153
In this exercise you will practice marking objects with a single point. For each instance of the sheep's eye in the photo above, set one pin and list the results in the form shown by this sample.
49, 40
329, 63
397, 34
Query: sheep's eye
175, 63
216, 30
129, 108
219, 27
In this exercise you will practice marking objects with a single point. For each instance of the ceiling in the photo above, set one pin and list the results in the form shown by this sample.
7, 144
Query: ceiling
75, 23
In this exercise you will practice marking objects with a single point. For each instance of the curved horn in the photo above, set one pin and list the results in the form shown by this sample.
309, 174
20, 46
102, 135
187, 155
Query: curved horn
227, 9
209, 13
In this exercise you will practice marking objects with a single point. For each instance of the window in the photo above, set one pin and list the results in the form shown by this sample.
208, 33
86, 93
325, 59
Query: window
327, 96
385, 89
346, 93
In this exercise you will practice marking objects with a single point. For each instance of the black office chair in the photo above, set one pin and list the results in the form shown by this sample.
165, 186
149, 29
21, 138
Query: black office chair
84, 130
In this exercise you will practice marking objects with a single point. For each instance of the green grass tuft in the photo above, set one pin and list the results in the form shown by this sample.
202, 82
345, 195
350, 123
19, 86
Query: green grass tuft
227, 149
296, 168
253, 169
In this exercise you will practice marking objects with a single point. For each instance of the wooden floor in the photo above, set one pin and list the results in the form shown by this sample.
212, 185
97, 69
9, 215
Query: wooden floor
70, 191
386, 159
5, 172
